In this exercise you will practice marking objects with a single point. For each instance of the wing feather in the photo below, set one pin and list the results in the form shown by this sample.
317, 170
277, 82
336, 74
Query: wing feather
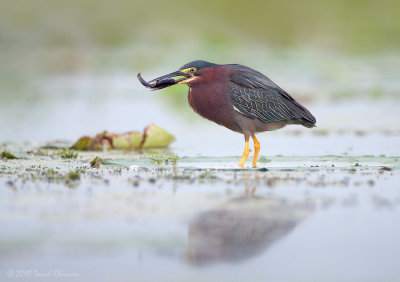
256, 96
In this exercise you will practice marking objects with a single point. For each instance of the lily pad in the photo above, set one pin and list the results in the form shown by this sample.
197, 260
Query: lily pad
128, 140
156, 136
153, 136
82, 144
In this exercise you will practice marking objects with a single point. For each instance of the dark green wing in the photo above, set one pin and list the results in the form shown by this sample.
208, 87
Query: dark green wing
256, 96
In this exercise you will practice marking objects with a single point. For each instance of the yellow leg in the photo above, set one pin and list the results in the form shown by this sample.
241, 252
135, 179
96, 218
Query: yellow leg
246, 150
256, 150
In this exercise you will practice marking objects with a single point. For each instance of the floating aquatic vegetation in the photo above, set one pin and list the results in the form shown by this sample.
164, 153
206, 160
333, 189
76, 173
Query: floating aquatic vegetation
83, 143
264, 159
73, 175
96, 162
160, 159
69, 154
128, 140
153, 136
8, 155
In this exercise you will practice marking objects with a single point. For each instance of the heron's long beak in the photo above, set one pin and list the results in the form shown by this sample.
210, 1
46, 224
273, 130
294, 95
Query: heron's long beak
170, 75
166, 80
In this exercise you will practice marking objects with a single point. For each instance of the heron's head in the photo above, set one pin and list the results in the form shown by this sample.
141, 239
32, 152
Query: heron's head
183, 75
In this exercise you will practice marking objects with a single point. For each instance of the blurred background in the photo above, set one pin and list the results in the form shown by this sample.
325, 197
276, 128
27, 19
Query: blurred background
68, 68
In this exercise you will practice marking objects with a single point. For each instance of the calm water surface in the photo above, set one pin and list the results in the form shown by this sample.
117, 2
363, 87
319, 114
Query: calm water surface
135, 225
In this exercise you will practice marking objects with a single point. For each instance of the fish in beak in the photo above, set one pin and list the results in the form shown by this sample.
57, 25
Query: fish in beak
177, 77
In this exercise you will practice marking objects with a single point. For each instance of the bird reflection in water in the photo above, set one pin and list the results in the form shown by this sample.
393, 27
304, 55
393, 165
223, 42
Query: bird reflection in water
243, 228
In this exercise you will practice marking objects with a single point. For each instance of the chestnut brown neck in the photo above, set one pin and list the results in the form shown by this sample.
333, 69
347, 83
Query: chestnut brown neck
208, 97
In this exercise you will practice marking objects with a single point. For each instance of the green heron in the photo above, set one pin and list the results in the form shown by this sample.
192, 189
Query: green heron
237, 97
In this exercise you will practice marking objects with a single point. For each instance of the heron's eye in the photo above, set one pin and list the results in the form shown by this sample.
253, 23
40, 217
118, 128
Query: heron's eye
192, 70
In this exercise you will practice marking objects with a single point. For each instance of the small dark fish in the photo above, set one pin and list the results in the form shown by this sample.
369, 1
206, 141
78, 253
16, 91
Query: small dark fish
158, 84
142, 81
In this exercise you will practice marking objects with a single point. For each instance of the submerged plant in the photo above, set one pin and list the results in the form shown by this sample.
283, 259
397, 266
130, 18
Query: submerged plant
73, 175
160, 159
264, 159
69, 154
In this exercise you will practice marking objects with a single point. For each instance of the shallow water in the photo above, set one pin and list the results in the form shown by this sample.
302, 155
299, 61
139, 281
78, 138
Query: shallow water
323, 205
301, 220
